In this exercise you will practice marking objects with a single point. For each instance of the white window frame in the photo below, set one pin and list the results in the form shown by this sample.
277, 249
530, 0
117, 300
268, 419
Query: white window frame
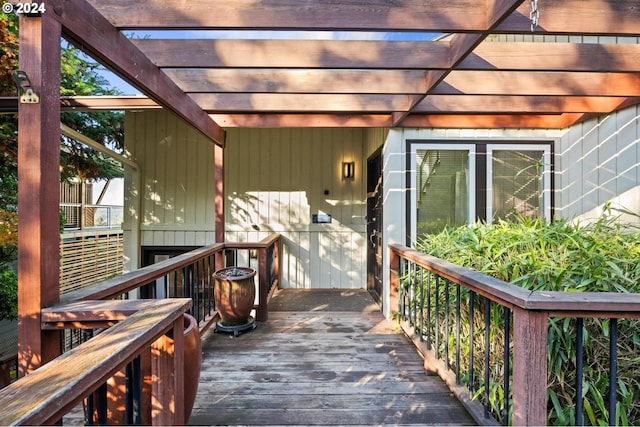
471, 179
546, 175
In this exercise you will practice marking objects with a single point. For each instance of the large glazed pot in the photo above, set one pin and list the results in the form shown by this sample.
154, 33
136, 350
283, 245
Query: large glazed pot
192, 363
234, 294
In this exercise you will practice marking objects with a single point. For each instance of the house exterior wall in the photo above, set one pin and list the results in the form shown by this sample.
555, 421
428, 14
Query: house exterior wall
598, 162
276, 179
169, 199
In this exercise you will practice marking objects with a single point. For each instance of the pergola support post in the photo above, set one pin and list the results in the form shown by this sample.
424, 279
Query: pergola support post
38, 190
219, 192
530, 329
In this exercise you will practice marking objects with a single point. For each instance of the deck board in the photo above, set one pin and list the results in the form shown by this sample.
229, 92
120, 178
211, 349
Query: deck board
320, 368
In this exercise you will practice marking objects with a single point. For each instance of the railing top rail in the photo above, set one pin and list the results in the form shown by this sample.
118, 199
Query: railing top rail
587, 304
55, 388
264, 243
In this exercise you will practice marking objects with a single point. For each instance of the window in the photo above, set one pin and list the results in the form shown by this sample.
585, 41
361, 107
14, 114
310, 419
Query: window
457, 184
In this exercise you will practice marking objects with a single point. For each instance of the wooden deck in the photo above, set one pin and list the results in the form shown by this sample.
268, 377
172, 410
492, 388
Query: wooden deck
320, 367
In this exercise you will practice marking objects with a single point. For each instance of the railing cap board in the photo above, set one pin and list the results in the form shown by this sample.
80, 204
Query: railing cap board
264, 243
87, 313
577, 304
614, 304
52, 390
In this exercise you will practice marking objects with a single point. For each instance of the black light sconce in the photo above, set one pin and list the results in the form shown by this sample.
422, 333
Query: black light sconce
348, 170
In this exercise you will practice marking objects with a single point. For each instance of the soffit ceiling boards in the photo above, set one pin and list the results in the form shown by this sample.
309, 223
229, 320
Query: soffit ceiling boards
381, 63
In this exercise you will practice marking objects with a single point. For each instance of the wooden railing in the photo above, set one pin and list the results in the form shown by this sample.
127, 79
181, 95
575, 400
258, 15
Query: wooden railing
432, 296
191, 275
134, 329
48, 393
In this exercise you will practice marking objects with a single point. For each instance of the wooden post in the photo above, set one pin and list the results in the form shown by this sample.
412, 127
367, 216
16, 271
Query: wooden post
530, 329
167, 373
394, 280
262, 314
38, 190
219, 193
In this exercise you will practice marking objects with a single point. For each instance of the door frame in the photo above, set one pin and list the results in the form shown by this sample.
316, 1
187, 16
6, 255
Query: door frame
374, 228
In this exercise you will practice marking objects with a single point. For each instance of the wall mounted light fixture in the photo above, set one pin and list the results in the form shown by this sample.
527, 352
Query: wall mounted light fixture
348, 170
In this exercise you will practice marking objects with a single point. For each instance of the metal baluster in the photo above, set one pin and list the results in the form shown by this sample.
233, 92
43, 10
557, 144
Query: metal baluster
402, 296
412, 294
505, 386
175, 283
196, 290
613, 369
579, 369
472, 297
101, 394
436, 329
429, 310
89, 410
457, 334
487, 359
446, 324
421, 329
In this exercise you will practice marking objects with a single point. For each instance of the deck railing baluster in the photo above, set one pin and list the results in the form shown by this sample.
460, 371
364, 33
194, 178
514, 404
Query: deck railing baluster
421, 324
487, 355
472, 298
579, 370
457, 333
446, 324
505, 361
436, 326
613, 369
429, 337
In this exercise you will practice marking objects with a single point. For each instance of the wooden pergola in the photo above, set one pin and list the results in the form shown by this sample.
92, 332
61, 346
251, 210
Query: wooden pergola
310, 63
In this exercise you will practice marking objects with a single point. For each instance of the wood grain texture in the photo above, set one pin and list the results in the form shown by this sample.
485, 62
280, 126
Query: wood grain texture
320, 368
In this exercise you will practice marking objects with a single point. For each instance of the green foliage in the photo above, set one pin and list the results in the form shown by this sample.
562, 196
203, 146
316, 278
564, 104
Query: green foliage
8, 292
79, 76
601, 256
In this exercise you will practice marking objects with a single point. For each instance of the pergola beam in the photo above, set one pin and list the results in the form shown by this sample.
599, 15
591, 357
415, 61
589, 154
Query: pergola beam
90, 31
375, 15
597, 17
461, 45
237, 53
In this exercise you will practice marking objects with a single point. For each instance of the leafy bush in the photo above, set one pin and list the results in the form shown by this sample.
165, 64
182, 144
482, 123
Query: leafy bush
8, 292
560, 256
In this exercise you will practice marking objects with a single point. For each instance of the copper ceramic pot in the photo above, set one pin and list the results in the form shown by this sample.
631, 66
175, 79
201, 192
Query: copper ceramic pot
234, 294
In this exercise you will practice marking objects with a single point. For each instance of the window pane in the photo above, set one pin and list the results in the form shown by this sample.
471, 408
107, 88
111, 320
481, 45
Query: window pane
442, 189
517, 183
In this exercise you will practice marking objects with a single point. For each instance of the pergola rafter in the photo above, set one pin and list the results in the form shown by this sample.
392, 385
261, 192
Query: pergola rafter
400, 64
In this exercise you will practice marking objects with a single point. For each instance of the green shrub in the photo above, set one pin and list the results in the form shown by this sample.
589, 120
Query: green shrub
8, 292
601, 256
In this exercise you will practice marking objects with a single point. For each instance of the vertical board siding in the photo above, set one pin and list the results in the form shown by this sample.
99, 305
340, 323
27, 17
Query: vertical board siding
276, 179
174, 205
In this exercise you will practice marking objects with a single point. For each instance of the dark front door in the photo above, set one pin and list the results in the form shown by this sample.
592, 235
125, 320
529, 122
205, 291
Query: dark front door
374, 225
